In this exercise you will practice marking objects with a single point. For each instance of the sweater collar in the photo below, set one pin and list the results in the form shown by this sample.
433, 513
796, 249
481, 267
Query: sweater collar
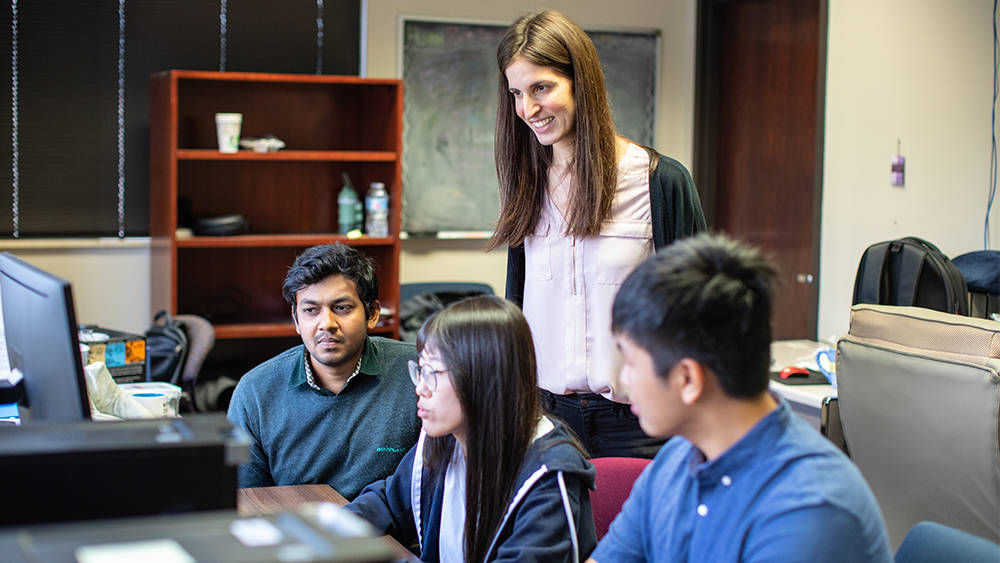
370, 365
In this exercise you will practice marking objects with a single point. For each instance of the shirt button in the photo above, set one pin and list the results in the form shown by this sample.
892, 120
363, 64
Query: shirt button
727, 480
702, 510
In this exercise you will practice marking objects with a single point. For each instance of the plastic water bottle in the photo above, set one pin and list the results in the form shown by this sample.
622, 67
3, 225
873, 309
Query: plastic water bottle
348, 207
377, 211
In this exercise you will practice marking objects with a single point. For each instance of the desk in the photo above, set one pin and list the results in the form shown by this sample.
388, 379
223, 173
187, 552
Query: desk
268, 500
805, 400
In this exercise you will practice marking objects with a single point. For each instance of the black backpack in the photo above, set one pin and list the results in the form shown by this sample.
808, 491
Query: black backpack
911, 272
166, 349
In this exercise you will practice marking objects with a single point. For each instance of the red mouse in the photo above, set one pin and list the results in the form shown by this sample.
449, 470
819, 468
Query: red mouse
791, 371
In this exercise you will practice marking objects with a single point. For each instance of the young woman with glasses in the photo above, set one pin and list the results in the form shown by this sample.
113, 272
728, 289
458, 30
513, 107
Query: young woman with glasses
491, 478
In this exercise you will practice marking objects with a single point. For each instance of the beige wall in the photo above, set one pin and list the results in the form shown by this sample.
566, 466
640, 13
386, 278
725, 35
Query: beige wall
110, 277
914, 70
918, 71
442, 260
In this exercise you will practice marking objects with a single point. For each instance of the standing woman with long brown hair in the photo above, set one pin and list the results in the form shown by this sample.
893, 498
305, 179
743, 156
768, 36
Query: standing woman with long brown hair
580, 207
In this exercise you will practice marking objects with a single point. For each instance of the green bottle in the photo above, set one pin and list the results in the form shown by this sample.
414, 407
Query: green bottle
349, 212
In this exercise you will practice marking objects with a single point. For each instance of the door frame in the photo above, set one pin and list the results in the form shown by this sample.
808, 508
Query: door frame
706, 120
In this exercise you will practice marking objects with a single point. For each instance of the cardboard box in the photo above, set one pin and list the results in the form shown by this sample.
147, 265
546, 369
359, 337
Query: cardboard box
123, 353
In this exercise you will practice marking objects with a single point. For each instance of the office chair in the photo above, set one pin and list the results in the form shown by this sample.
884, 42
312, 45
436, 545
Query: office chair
981, 270
930, 542
612, 485
830, 425
201, 339
918, 393
409, 290
417, 301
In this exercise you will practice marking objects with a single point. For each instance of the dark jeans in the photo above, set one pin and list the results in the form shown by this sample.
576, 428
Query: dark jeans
606, 428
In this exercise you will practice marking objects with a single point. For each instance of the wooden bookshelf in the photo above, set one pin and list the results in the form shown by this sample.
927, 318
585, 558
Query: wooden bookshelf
330, 125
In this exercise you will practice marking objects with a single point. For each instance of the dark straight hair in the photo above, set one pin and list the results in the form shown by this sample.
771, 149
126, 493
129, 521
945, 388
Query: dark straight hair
486, 347
707, 298
319, 262
549, 39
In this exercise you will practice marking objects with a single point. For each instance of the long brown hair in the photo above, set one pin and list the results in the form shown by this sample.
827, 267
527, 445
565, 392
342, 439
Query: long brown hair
548, 38
486, 347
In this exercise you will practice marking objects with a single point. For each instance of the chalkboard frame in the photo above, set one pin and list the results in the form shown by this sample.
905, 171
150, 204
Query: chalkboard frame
449, 177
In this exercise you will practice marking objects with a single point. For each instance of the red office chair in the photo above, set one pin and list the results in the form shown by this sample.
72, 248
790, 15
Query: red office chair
612, 486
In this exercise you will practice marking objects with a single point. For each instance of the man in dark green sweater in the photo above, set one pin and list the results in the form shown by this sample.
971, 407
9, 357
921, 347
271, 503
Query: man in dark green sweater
339, 409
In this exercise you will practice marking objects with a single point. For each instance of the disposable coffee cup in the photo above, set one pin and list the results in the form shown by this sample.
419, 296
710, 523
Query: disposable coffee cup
227, 126
156, 403
160, 398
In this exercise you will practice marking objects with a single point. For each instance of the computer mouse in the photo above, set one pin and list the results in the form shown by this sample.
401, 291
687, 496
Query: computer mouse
792, 371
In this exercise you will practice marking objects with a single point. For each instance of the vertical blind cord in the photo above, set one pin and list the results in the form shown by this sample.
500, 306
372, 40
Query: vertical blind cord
993, 137
222, 35
121, 118
319, 36
14, 134
15, 156
14, 165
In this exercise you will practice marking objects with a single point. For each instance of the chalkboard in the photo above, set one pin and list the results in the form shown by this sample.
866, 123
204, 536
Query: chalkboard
449, 112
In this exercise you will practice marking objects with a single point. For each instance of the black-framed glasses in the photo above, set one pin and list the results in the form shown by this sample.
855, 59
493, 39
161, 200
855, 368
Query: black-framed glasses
425, 373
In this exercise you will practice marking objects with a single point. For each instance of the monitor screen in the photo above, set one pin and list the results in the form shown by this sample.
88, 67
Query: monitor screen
42, 343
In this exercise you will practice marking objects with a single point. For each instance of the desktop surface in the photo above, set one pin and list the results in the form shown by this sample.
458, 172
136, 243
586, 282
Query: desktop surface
269, 500
805, 399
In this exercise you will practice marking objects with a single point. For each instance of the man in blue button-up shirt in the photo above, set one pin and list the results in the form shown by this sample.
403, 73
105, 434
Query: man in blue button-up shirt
745, 479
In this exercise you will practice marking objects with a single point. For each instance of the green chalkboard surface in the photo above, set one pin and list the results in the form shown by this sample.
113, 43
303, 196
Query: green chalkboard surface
449, 111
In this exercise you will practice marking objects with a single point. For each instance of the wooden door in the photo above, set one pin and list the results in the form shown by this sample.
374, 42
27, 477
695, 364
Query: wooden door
758, 138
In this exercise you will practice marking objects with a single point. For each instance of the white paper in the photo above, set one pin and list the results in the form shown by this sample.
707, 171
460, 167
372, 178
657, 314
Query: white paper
255, 532
149, 551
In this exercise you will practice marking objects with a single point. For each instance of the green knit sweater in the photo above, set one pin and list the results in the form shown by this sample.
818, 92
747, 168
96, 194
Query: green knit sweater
300, 435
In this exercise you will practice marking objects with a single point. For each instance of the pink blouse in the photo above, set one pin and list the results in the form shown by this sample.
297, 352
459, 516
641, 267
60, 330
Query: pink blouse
570, 284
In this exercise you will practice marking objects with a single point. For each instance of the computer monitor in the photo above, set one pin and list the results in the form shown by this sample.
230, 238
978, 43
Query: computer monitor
42, 344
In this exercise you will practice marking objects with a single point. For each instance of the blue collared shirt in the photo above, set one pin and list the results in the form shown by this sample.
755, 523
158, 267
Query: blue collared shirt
783, 493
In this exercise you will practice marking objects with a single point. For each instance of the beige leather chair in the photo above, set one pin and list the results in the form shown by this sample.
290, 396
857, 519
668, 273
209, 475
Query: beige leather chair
919, 392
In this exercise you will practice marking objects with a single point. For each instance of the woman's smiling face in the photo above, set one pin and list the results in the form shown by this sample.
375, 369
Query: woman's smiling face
543, 99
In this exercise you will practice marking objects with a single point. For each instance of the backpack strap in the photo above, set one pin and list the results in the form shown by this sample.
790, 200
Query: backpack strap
177, 330
162, 314
873, 270
910, 269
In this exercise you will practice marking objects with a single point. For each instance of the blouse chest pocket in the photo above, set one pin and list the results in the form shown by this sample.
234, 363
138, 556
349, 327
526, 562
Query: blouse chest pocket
538, 255
620, 247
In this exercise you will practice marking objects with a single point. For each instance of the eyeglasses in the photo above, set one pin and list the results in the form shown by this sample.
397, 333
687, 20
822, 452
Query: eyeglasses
425, 373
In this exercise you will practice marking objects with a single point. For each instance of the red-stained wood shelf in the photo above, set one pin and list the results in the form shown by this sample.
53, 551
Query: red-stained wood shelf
290, 240
280, 329
288, 156
332, 126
